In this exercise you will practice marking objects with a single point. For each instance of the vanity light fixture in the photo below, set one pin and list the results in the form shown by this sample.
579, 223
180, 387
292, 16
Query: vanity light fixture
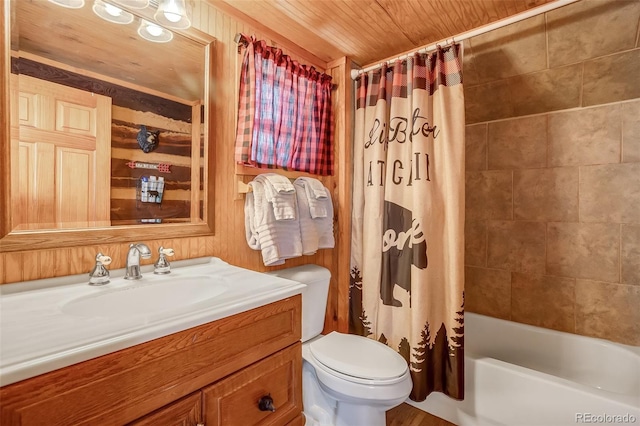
111, 13
70, 4
152, 32
172, 14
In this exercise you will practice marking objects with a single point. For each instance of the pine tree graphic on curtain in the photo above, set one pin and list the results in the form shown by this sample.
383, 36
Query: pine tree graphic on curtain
358, 322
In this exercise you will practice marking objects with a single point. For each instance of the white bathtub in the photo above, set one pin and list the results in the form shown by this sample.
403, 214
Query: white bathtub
516, 374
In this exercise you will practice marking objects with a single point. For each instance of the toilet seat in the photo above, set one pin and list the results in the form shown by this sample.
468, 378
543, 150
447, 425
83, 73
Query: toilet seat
358, 359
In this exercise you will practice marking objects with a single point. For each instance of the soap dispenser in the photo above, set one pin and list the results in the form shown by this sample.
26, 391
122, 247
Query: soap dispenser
162, 266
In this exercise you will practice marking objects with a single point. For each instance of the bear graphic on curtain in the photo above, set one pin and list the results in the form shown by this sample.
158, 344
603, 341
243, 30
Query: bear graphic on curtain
403, 245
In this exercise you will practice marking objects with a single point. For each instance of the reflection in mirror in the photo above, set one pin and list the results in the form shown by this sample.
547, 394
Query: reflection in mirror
107, 127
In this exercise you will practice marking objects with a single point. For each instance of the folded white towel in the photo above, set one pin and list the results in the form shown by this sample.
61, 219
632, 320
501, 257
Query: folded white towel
324, 225
314, 187
316, 233
279, 183
279, 191
277, 239
308, 231
250, 213
317, 195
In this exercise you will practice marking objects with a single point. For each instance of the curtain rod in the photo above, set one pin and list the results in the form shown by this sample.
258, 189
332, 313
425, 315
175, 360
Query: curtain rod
472, 33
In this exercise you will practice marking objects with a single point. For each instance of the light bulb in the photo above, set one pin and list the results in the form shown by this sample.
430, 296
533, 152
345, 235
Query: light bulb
112, 10
154, 30
112, 13
172, 12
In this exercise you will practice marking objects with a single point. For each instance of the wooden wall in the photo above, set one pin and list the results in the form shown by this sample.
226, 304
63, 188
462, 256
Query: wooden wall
229, 242
174, 148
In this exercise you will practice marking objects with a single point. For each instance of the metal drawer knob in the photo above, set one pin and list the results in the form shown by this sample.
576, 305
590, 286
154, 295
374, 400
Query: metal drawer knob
266, 403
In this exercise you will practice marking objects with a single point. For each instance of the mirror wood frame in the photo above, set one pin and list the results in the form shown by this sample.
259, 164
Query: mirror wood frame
35, 240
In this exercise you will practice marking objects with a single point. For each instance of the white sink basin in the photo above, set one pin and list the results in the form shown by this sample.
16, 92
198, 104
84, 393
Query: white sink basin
56, 322
145, 297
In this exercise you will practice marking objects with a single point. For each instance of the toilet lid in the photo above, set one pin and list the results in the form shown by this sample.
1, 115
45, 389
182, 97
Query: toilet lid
358, 356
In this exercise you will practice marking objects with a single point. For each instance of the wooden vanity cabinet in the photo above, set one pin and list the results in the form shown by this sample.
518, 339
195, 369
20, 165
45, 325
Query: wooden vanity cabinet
213, 374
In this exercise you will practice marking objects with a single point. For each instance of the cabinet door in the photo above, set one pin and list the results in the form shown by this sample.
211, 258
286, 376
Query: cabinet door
184, 412
235, 400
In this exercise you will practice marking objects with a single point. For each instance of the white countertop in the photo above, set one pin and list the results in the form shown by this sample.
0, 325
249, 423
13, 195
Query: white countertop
36, 336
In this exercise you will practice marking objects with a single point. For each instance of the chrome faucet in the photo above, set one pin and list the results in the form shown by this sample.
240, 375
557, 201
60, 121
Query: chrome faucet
132, 271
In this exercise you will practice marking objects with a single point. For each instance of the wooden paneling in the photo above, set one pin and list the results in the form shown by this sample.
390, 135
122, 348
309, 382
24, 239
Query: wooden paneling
174, 148
370, 31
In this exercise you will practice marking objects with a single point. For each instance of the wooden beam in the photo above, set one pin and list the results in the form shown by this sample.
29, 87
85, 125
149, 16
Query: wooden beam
121, 96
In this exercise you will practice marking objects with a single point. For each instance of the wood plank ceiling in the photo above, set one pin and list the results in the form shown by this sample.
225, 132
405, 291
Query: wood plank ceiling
370, 31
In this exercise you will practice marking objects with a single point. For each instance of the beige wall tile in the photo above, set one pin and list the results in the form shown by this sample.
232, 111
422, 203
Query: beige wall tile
518, 144
610, 193
475, 243
488, 292
549, 90
488, 195
476, 107
476, 147
608, 311
470, 76
611, 78
585, 136
630, 131
591, 35
546, 194
543, 301
512, 50
517, 246
630, 254
584, 250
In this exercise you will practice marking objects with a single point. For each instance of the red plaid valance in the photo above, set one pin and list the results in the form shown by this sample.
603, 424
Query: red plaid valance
284, 113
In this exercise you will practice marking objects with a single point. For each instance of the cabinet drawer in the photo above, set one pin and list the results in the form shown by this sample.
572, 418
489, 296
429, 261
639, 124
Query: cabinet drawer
234, 401
184, 412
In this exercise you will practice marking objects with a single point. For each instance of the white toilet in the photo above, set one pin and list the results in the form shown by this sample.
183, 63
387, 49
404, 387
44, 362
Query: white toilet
347, 380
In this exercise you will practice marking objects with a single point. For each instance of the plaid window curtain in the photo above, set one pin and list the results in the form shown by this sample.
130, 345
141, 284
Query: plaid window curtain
284, 113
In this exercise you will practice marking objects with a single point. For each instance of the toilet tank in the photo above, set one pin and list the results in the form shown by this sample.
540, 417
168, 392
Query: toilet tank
314, 296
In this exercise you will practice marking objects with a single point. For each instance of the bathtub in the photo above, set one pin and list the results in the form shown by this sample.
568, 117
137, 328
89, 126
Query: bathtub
516, 374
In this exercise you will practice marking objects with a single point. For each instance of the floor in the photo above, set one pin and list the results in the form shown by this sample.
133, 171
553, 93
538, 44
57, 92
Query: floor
406, 415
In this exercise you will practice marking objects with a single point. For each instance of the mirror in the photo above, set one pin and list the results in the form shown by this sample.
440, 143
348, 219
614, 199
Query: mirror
109, 131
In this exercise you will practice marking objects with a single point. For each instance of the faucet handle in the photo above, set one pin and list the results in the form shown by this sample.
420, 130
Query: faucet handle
99, 275
162, 266
166, 251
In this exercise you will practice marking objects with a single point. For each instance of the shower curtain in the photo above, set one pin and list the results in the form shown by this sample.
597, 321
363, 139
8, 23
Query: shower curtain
407, 250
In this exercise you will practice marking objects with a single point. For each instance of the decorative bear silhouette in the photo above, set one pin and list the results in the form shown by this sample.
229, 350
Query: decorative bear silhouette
148, 141
403, 244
